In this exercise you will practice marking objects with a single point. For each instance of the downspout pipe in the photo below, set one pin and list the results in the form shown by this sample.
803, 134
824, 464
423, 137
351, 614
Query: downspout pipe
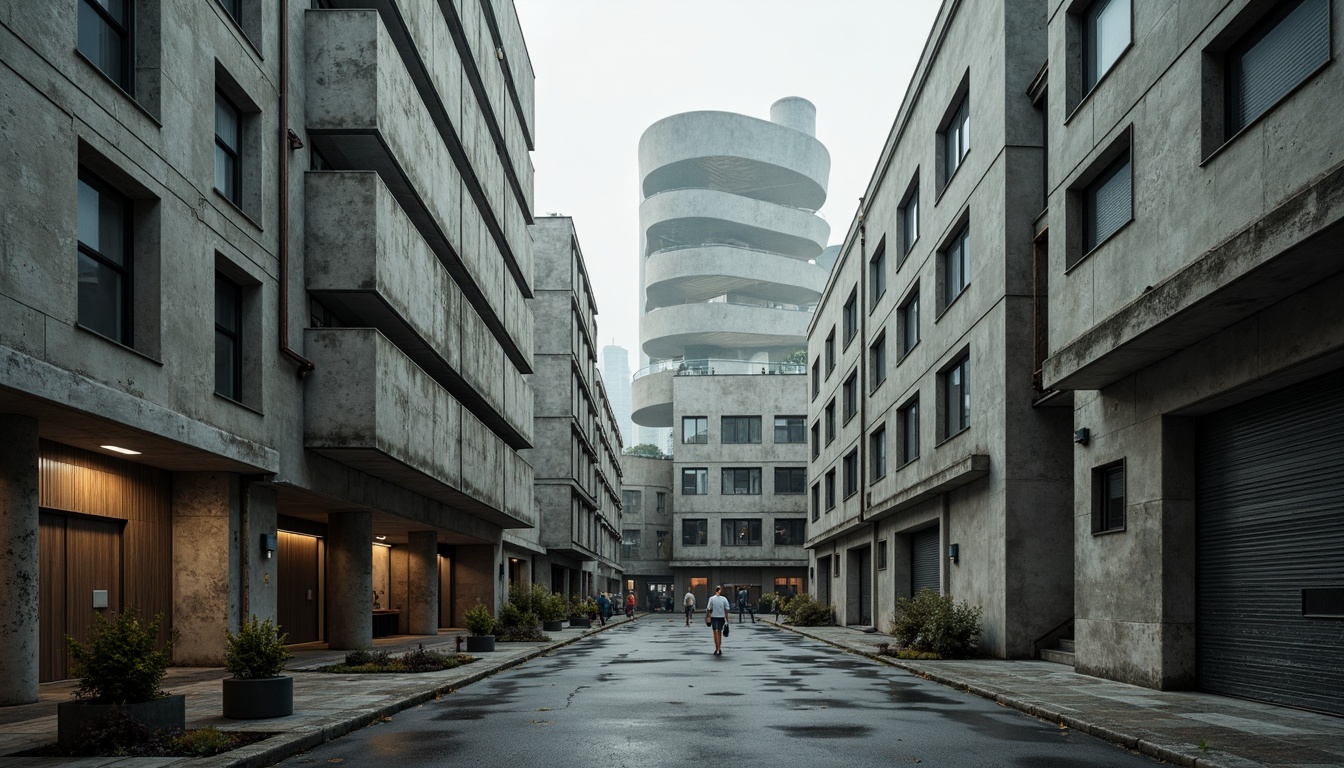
288, 142
862, 384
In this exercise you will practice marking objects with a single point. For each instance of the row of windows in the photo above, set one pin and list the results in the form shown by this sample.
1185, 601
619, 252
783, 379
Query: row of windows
738, 430
632, 502
789, 531
739, 481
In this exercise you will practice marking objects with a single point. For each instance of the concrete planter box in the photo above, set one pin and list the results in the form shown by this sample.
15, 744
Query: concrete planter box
480, 643
575, 621
552, 626
259, 698
72, 717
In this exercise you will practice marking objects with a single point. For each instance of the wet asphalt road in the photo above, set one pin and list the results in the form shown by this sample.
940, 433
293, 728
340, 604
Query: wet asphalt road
650, 694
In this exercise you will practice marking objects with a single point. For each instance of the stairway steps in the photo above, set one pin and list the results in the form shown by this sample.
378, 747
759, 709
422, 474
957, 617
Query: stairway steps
1057, 656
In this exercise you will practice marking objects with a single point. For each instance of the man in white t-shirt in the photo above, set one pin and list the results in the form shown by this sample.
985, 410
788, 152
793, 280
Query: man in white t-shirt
716, 614
689, 603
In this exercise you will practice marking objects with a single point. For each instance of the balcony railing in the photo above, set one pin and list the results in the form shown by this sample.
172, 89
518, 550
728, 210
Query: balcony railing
709, 367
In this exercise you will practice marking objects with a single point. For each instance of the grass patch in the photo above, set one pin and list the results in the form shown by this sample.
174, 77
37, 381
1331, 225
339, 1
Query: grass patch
365, 661
119, 735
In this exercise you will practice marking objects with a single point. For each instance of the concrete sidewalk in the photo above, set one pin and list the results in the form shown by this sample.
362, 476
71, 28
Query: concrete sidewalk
1181, 727
326, 706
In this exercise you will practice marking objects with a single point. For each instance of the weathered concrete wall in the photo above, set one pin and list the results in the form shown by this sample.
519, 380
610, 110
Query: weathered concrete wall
19, 619
206, 530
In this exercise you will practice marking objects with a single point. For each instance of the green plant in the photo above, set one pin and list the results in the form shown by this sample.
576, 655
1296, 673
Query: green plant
803, 610
258, 650
122, 662
420, 659
552, 607
479, 620
934, 623
647, 450
583, 607
204, 742
767, 604
118, 733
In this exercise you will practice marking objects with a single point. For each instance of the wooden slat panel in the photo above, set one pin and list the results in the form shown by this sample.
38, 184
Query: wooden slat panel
53, 663
296, 570
93, 561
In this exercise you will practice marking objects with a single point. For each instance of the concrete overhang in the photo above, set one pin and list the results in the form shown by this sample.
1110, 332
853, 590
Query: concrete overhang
80, 412
370, 407
685, 275
364, 112
837, 530
963, 472
705, 216
1289, 249
366, 262
651, 400
667, 331
796, 562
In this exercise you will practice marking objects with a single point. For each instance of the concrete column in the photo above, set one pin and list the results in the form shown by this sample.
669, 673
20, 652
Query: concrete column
19, 607
349, 580
476, 579
422, 583
259, 596
206, 572
400, 568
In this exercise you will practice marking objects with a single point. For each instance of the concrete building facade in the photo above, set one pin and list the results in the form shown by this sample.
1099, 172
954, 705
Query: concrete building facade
1191, 268
263, 319
575, 462
931, 465
729, 242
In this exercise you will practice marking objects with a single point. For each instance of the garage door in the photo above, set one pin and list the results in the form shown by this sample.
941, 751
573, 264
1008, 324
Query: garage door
924, 561
1270, 548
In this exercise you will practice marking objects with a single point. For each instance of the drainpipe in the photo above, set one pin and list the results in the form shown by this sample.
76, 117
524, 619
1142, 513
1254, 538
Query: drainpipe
862, 383
289, 141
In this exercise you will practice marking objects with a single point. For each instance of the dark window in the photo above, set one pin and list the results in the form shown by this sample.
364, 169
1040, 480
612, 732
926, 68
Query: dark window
877, 449
830, 489
228, 338
738, 481
790, 531
741, 533
663, 544
235, 9
660, 500
105, 37
228, 149
907, 421
1106, 35
830, 421
816, 439
851, 465
957, 138
104, 259
694, 481
816, 501
695, 430
909, 216
632, 502
957, 389
789, 429
956, 263
877, 273
1273, 58
816, 377
882, 555
790, 480
741, 429
1108, 498
850, 393
630, 543
908, 320
694, 533
830, 352
851, 316
877, 361
1107, 203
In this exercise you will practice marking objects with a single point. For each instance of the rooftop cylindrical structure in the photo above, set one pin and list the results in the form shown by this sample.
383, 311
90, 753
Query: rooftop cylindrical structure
796, 113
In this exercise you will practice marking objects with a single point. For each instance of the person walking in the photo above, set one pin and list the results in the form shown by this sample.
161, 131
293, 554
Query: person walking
716, 616
603, 607
689, 602
630, 606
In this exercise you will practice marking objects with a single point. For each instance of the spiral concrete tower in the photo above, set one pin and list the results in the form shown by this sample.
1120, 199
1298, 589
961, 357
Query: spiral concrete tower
729, 235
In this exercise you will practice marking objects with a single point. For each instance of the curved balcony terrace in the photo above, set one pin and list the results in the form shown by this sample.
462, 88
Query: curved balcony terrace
666, 332
651, 390
699, 273
682, 217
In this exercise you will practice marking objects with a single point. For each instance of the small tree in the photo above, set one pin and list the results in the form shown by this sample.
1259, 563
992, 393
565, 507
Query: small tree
934, 623
648, 450
797, 357
257, 651
479, 620
122, 662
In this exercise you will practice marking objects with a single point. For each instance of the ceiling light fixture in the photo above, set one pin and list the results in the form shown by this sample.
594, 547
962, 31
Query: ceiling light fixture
119, 449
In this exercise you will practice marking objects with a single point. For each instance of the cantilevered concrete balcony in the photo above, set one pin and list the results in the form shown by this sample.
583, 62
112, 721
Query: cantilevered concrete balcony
366, 261
365, 112
766, 160
683, 217
700, 273
369, 406
651, 399
667, 331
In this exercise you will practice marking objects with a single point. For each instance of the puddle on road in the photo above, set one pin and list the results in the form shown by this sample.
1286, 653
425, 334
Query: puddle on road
824, 731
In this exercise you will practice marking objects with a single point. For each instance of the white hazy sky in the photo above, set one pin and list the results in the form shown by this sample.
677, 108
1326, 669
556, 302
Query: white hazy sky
607, 69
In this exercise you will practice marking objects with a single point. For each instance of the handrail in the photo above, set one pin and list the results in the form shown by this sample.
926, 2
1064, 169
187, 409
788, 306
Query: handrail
722, 367
734, 246
781, 308
814, 211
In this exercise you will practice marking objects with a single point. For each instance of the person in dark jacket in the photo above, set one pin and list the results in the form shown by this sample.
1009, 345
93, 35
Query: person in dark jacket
603, 607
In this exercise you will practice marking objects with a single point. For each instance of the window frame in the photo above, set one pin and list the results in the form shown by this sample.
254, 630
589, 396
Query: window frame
124, 29
1107, 517
877, 275
792, 474
698, 527
792, 423
850, 464
905, 326
750, 526
730, 426
960, 367
630, 545
877, 361
849, 392
908, 219
957, 247
850, 317
627, 507
124, 272
1092, 240
816, 376
1255, 34
877, 454
816, 438
830, 352
830, 421
816, 500
753, 481
907, 425
234, 335
954, 136
701, 437
235, 175
1091, 72
789, 526
829, 483
696, 472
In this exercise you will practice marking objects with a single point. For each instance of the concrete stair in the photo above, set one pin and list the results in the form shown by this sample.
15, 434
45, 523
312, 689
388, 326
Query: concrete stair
1063, 654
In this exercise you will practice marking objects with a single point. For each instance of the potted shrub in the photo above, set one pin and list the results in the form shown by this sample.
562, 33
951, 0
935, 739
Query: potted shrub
121, 667
255, 657
581, 612
480, 624
552, 609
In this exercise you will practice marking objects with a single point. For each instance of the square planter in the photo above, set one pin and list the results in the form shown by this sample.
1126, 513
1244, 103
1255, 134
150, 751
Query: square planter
552, 626
72, 717
580, 623
480, 643
259, 698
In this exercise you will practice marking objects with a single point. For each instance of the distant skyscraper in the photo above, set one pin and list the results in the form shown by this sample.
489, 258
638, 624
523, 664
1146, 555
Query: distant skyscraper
616, 375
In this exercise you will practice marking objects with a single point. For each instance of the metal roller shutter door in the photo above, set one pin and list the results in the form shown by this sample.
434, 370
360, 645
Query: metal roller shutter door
866, 587
924, 561
1271, 533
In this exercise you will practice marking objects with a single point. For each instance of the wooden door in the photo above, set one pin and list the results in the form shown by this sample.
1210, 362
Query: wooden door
78, 556
297, 570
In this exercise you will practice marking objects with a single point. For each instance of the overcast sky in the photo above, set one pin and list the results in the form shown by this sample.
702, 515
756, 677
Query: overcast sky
607, 69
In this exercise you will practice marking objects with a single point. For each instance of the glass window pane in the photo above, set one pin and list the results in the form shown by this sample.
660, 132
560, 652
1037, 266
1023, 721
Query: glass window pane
226, 122
1276, 60
101, 298
102, 43
226, 370
1109, 203
224, 173
226, 305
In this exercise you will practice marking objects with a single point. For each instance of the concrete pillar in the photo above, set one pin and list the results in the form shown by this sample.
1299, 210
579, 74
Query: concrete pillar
476, 579
19, 607
258, 591
206, 572
349, 580
396, 599
422, 583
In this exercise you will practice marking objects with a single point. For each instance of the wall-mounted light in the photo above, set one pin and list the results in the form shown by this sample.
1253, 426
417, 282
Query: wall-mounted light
119, 449
1081, 436
380, 538
953, 553
268, 545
